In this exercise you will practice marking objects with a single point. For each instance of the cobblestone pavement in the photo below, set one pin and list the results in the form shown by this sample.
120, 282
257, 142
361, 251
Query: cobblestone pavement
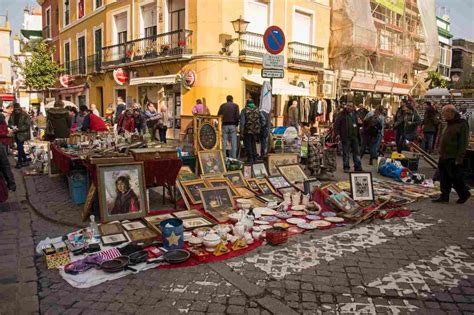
420, 264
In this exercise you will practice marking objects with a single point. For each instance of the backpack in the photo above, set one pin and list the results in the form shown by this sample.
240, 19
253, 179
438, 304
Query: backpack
252, 121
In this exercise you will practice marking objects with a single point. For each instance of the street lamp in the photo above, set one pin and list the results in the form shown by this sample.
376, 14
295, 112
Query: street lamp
15, 78
240, 27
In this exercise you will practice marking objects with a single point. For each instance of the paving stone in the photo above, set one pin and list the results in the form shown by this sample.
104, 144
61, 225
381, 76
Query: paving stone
237, 301
234, 309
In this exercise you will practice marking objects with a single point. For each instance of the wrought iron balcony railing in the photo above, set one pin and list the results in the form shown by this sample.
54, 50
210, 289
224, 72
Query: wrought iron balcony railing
46, 32
251, 45
94, 63
175, 43
306, 55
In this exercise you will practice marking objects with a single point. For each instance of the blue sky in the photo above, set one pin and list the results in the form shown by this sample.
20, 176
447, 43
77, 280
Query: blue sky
461, 11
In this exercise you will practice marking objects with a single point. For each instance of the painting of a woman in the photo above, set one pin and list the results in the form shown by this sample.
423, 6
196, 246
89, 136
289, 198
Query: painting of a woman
126, 200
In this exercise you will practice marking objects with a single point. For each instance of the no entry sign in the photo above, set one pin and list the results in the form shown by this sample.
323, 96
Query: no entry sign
274, 40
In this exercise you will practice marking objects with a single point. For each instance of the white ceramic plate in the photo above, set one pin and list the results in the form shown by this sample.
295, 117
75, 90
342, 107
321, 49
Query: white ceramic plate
327, 214
264, 211
260, 222
320, 223
265, 227
307, 226
298, 208
295, 221
334, 219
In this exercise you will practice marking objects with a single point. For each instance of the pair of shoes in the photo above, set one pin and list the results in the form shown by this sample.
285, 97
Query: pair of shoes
12, 187
462, 200
440, 200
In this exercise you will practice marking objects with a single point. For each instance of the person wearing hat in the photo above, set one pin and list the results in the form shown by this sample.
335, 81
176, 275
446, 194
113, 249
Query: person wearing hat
20, 123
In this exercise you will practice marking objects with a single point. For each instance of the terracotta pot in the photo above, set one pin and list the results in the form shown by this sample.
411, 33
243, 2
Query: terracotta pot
276, 236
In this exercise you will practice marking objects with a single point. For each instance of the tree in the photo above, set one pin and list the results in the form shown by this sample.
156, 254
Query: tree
39, 71
436, 80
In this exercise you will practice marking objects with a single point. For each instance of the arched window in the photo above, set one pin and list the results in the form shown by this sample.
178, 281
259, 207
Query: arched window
405, 79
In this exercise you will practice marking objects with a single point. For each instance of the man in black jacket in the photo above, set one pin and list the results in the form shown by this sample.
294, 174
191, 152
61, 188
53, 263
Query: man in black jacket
453, 145
230, 120
347, 128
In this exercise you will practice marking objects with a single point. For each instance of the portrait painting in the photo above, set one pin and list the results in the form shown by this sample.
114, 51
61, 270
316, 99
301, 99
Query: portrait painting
275, 160
293, 173
122, 192
361, 186
253, 185
247, 170
192, 188
236, 178
211, 162
259, 170
218, 202
222, 182
278, 182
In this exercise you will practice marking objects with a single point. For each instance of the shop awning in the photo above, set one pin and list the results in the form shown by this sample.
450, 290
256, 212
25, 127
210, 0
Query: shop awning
280, 87
163, 79
7, 97
383, 86
401, 89
363, 84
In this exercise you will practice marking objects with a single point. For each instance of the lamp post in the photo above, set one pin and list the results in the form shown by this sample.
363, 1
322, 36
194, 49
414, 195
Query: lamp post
14, 83
240, 27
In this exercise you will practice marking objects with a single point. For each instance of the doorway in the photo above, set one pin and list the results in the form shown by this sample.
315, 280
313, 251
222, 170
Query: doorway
100, 99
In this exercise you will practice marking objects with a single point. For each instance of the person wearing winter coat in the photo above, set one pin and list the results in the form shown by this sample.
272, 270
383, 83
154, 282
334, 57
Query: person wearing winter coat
151, 115
372, 133
346, 127
93, 123
430, 126
453, 145
126, 122
293, 115
20, 122
5, 141
251, 122
139, 120
58, 121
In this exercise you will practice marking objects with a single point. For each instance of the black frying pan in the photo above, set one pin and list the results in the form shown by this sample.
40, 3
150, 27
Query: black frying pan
175, 256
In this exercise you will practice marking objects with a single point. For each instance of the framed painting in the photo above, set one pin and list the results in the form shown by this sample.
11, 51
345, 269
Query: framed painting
110, 228
310, 186
114, 239
211, 162
86, 210
143, 234
122, 191
343, 202
192, 188
187, 214
275, 160
207, 136
286, 190
259, 170
278, 182
183, 195
155, 220
134, 225
253, 185
293, 173
247, 170
236, 178
271, 197
185, 170
245, 192
187, 176
265, 186
222, 182
362, 187
218, 202
207, 176
197, 222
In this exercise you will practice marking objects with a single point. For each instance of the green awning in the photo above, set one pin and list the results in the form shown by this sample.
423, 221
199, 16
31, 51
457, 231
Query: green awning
31, 33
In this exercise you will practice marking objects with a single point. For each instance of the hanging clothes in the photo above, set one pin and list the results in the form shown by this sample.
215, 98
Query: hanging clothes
313, 111
304, 109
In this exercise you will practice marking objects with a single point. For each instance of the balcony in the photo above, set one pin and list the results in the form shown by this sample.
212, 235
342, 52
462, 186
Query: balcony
83, 66
304, 56
160, 47
251, 47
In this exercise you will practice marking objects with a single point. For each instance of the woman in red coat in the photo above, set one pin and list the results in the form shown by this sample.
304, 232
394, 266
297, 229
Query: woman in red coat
5, 141
126, 122
93, 123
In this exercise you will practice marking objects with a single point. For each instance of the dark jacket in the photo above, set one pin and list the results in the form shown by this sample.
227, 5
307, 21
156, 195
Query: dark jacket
454, 140
24, 124
411, 121
140, 121
430, 120
118, 111
344, 126
247, 126
230, 114
60, 120
398, 119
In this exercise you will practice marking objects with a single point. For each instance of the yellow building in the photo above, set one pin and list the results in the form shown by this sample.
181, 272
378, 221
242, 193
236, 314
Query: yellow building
6, 89
176, 51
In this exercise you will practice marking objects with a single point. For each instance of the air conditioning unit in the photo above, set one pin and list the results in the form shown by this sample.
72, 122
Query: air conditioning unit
303, 84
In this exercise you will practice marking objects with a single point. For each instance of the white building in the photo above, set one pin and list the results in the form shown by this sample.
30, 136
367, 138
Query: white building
445, 44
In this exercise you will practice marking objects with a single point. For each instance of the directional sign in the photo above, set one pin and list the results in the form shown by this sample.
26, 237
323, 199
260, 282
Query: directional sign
273, 61
274, 40
273, 73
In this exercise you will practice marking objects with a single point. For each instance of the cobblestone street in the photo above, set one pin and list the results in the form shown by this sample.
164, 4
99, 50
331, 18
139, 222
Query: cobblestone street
421, 264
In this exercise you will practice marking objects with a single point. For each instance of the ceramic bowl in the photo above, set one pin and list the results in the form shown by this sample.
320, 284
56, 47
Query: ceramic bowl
234, 217
195, 240
243, 203
211, 240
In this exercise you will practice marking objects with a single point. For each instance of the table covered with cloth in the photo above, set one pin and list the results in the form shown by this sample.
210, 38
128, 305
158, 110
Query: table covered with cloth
64, 162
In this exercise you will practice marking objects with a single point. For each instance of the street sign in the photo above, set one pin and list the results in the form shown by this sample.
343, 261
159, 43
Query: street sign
273, 61
273, 73
274, 40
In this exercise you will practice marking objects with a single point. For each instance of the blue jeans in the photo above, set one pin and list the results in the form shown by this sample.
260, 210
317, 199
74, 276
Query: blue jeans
351, 146
428, 141
21, 151
230, 131
374, 146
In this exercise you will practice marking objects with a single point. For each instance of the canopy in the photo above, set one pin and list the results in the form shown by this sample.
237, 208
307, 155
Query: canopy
280, 87
163, 79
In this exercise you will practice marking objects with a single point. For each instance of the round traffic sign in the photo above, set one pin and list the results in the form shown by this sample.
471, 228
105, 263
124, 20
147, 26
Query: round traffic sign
274, 40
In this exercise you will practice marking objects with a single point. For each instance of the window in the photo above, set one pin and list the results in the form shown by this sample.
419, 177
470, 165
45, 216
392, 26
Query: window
384, 40
405, 79
302, 28
258, 14
98, 49
80, 9
121, 28
176, 12
66, 12
148, 20
81, 54
47, 28
97, 4
67, 58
